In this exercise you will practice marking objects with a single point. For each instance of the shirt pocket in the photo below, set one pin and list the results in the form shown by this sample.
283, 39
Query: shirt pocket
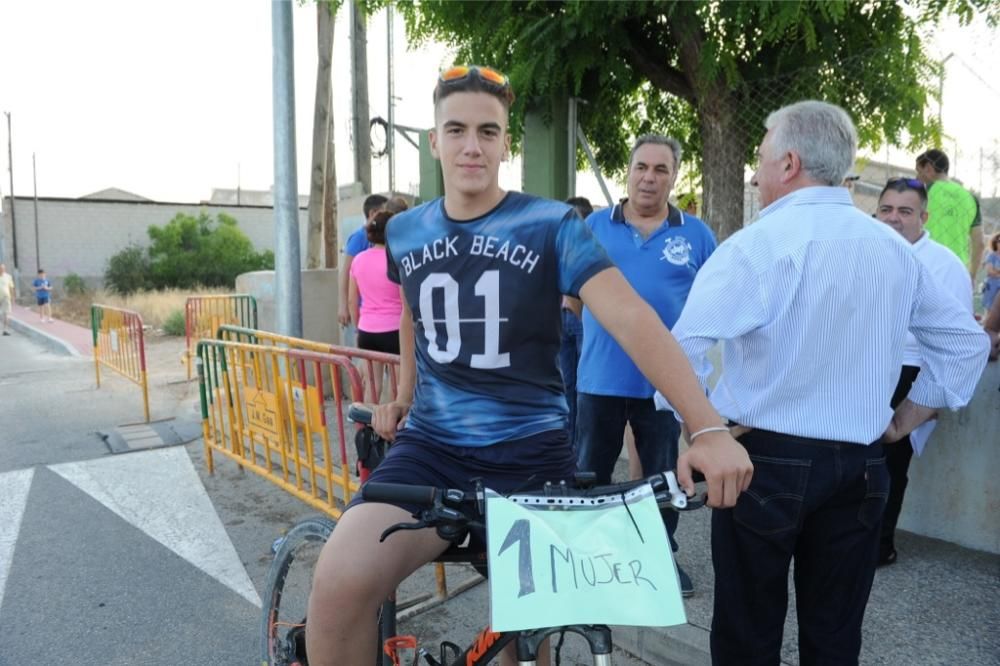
773, 502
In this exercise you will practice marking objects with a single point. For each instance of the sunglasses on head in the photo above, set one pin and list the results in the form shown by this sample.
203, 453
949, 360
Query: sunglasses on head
912, 183
462, 72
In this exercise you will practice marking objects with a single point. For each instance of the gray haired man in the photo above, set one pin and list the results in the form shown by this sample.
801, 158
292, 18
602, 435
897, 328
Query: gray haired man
813, 302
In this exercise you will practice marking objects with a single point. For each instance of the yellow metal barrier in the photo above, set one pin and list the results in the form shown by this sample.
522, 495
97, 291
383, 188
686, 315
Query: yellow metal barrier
370, 361
255, 426
204, 314
119, 344
263, 407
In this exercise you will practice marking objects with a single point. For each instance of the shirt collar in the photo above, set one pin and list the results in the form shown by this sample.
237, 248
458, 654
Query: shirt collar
810, 195
675, 218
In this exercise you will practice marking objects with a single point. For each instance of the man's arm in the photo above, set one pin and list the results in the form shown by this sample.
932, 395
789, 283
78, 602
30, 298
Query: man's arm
353, 302
953, 349
343, 314
641, 333
976, 246
389, 417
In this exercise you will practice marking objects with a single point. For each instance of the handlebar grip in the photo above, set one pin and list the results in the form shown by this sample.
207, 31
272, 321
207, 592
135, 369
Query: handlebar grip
398, 493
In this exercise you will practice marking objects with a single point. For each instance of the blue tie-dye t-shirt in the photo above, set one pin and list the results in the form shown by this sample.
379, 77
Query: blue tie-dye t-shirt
485, 297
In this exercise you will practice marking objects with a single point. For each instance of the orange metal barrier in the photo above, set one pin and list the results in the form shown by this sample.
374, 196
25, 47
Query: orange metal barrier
119, 344
204, 314
369, 360
263, 407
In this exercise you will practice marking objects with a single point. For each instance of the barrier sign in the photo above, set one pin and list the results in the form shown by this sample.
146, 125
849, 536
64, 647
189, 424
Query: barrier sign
203, 315
606, 564
119, 344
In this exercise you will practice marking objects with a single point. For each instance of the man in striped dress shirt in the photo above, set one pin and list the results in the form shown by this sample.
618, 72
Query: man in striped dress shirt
813, 302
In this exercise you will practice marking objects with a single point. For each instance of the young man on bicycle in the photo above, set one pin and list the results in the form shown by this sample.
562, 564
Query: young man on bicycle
482, 272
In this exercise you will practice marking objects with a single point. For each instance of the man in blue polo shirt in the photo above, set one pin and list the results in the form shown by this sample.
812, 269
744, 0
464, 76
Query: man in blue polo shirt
659, 249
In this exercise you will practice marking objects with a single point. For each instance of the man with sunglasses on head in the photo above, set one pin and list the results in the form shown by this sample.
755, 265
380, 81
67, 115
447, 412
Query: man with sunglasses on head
954, 218
903, 206
813, 301
481, 273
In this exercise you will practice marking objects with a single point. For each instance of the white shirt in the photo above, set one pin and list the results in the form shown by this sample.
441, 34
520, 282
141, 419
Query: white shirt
813, 302
950, 272
6, 284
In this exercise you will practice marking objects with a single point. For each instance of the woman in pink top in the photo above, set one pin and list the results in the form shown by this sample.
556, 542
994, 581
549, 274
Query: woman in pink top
373, 299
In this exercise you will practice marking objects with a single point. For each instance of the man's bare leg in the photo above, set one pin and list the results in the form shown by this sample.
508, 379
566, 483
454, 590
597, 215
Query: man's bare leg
354, 575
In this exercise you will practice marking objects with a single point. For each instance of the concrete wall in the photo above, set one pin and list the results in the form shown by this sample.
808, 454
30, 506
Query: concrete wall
80, 235
954, 490
319, 302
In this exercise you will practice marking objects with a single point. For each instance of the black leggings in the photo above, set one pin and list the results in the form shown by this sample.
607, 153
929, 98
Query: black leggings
387, 342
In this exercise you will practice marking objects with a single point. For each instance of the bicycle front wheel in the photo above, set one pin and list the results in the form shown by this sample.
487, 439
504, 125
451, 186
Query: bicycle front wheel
286, 593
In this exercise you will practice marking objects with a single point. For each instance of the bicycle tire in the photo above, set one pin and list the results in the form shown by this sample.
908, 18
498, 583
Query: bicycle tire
274, 648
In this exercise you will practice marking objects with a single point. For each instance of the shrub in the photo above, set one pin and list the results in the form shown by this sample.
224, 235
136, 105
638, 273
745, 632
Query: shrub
74, 285
174, 323
191, 251
127, 271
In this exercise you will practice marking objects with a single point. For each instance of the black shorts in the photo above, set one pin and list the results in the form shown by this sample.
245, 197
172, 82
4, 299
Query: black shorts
387, 342
522, 464
42, 301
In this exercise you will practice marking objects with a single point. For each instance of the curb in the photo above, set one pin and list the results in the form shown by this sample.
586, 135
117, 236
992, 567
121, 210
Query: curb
683, 645
51, 342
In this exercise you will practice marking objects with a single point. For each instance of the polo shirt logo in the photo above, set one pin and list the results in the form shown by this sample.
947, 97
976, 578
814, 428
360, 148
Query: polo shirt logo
677, 250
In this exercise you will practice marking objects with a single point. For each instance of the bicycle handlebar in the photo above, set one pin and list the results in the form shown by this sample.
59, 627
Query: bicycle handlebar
664, 485
399, 493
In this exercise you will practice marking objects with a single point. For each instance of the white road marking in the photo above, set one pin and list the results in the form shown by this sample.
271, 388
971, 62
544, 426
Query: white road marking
14, 487
160, 493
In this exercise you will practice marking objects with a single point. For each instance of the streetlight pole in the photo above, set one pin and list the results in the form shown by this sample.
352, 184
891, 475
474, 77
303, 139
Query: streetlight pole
10, 163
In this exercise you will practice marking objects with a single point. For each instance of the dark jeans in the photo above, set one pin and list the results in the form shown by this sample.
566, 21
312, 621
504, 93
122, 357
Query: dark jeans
820, 503
569, 358
600, 426
897, 459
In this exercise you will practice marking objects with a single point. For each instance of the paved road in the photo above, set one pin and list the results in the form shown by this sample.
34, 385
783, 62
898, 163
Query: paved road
106, 559
141, 558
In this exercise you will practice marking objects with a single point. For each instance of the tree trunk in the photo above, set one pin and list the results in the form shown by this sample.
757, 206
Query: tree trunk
321, 125
359, 92
724, 154
330, 194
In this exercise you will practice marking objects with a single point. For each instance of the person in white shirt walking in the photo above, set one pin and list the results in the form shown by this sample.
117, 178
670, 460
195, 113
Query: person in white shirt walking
813, 302
903, 206
6, 297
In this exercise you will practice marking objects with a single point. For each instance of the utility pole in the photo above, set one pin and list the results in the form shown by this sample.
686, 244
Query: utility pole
287, 261
34, 180
359, 96
10, 163
390, 133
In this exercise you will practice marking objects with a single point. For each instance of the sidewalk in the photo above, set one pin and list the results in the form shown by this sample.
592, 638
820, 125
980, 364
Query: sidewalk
59, 336
939, 604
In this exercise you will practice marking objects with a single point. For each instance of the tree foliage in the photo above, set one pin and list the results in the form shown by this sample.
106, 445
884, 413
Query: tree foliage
189, 251
707, 73
127, 271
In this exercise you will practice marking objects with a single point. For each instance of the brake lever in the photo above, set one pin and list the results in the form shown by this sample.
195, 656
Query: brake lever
418, 525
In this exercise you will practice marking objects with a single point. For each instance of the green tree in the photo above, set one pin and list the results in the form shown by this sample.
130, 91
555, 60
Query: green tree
697, 70
191, 251
127, 271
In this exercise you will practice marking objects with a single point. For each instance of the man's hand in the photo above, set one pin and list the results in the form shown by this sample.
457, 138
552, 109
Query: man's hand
343, 316
725, 464
907, 417
389, 418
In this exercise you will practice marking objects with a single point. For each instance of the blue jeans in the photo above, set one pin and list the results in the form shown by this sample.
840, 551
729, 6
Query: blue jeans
600, 426
820, 503
569, 358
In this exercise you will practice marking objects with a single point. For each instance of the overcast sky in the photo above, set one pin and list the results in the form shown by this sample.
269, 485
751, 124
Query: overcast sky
171, 99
